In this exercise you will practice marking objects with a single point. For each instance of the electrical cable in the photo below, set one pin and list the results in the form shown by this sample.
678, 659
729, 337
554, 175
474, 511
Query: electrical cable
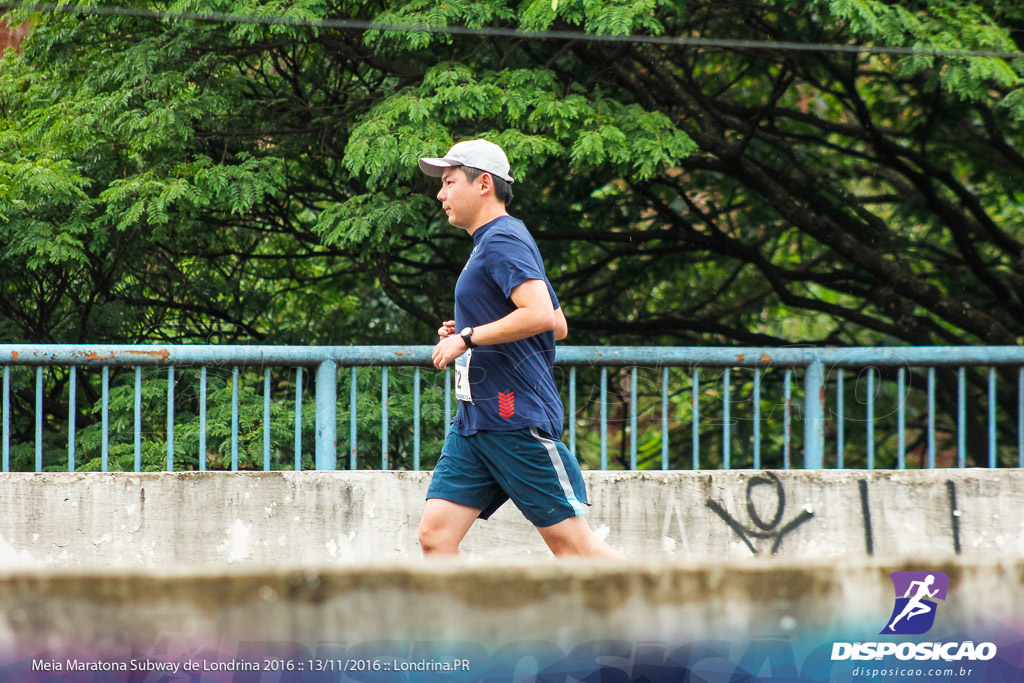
363, 25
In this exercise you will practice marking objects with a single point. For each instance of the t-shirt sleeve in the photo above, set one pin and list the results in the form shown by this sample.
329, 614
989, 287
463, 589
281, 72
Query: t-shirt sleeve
511, 262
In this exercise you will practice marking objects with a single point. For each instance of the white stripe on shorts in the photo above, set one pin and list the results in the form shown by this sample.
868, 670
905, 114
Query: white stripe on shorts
563, 476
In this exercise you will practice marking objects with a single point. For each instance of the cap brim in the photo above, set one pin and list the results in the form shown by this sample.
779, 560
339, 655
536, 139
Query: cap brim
434, 166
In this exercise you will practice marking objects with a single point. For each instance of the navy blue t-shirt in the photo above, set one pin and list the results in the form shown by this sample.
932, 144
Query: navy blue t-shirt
513, 384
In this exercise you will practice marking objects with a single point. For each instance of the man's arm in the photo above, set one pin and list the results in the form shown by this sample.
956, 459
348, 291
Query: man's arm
534, 314
561, 326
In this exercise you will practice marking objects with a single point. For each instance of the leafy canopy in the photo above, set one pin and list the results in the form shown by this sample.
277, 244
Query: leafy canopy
187, 181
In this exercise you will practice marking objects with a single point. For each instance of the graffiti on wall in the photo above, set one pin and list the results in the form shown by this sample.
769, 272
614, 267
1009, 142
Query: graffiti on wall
770, 529
764, 517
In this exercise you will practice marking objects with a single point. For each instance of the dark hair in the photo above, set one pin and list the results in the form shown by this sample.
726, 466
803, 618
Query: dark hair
502, 188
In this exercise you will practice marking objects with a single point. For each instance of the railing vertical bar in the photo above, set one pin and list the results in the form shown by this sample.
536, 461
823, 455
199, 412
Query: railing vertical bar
961, 418
353, 426
632, 419
447, 397
814, 415
756, 445
572, 410
298, 419
840, 422
7, 419
416, 419
787, 440
138, 420
695, 418
992, 459
105, 444
202, 419
72, 408
870, 419
604, 418
384, 419
326, 455
39, 419
931, 418
664, 418
170, 418
901, 419
266, 420
726, 419
1020, 417
234, 418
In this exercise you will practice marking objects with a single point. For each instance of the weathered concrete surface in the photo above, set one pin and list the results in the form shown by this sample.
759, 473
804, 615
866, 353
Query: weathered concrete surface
487, 604
329, 518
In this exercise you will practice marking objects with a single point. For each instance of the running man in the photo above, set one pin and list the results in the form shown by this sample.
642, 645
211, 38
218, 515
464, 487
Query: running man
504, 441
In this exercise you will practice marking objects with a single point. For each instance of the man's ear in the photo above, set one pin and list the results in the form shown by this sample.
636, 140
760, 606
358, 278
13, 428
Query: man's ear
486, 184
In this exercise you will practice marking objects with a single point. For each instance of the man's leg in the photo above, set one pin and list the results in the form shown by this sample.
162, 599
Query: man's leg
443, 526
574, 537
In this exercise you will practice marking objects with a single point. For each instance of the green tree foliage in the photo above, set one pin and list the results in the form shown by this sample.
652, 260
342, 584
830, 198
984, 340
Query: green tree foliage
180, 180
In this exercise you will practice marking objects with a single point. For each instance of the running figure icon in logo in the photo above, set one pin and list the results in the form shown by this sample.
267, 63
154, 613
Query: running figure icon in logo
914, 612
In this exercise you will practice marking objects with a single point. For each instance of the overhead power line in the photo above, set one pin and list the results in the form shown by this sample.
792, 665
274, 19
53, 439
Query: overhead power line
362, 25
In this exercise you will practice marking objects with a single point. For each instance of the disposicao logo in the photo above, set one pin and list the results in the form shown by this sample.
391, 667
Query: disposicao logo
913, 613
916, 595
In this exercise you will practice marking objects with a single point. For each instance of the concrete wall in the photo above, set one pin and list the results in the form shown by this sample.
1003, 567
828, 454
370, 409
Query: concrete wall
221, 567
128, 520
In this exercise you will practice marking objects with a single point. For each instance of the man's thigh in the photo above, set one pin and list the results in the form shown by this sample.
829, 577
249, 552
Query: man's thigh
461, 476
539, 474
574, 536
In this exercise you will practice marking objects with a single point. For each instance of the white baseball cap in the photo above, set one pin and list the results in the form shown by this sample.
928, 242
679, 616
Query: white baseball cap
480, 154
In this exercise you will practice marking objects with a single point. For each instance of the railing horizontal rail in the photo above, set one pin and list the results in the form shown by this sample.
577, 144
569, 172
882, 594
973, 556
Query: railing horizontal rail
898, 393
227, 355
347, 356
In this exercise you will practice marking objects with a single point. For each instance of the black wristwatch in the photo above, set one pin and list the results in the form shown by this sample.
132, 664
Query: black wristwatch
467, 337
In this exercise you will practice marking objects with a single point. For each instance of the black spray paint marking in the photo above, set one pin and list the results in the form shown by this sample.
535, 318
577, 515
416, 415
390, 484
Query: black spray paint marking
869, 538
954, 514
733, 524
765, 529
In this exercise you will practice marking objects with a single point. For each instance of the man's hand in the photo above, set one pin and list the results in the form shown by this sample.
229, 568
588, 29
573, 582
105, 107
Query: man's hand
448, 349
447, 329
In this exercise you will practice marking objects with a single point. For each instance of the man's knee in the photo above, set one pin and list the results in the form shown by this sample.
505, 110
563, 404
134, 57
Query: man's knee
443, 526
434, 538
431, 538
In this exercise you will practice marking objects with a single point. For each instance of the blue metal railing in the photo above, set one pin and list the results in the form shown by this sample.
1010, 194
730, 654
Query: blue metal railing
736, 418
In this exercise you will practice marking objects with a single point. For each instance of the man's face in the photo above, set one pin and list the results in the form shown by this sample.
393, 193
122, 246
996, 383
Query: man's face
459, 197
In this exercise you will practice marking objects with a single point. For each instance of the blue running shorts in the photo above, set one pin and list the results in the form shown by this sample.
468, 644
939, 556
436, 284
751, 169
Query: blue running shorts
484, 470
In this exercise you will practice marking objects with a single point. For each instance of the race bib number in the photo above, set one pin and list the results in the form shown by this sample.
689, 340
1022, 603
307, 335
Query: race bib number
462, 390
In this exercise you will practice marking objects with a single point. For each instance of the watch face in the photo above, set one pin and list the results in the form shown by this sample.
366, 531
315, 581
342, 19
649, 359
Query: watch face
466, 331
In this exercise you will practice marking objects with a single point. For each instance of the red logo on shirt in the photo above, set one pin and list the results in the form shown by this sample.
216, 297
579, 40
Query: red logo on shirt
507, 404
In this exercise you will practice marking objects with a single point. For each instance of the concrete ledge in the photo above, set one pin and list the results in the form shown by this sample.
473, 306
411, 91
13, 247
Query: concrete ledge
480, 603
292, 519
